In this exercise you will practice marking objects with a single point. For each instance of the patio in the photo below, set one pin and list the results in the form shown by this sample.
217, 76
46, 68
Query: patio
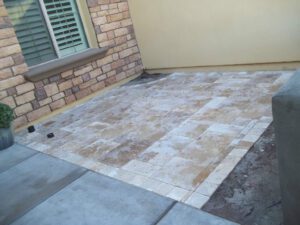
178, 135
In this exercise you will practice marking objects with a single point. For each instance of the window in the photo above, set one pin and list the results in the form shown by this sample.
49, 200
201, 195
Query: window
47, 29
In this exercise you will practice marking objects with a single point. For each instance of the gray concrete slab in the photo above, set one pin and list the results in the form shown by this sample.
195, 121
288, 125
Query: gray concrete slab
30, 182
182, 214
14, 155
94, 199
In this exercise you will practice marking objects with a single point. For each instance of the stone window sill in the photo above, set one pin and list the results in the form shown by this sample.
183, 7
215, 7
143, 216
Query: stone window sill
53, 67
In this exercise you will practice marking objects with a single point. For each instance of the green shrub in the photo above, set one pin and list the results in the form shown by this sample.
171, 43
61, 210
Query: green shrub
6, 116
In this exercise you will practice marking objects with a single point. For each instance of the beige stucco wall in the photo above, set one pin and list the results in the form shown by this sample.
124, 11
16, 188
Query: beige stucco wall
177, 33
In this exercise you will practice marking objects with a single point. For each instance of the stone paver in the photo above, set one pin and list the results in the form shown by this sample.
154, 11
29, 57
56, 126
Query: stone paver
167, 135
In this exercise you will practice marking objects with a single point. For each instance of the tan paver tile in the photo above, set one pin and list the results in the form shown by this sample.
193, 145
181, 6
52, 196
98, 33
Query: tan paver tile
197, 200
143, 168
178, 194
179, 136
182, 173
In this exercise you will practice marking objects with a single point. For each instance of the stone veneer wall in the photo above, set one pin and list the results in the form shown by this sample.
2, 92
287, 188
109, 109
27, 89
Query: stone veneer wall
30, 101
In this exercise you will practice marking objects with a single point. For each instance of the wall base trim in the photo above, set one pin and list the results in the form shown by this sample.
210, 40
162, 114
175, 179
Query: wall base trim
229, 68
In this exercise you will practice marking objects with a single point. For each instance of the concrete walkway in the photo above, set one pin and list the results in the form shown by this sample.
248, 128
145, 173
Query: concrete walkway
39, 189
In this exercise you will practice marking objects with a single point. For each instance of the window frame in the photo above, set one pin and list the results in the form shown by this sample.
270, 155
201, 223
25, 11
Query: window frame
87, 25
50, 29
58, 65
87, 22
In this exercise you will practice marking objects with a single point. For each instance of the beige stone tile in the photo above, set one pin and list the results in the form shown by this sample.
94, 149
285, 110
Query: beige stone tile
216, 102
124, 153
163, 188
163, 150
206, 188
225, 129
238, 152
235, 142
70, 157
248, 127
182, 173
123, 175
244, 144
201, 155
266, 119
197, 200
252, 137
224, 168
96, 150
189, 128
39, 146
150, 184
141, 181
92, 164
170, 135
142, 168
105, 169
178, 194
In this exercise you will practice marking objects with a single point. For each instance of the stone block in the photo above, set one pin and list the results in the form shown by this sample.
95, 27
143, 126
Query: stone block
9, 101
83, 93
110, 26
40, 94
57, 104
20, 69
69, 99
8, 41
23, 88
36, 114
21, 110
9, 50
7, 33
24, 98
5, 73
11, 82
83, 70
100, 20
51, 89
76, 81
121, 31
98, 86
65, 85
67, 74
6, 62
3, 94
20, 121
123, 6
58, 96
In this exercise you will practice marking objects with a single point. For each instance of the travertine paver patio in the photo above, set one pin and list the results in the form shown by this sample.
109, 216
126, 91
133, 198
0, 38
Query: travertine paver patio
178, 136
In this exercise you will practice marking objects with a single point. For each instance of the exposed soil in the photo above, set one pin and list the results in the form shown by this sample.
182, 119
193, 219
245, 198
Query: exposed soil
146, 78
251, 194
